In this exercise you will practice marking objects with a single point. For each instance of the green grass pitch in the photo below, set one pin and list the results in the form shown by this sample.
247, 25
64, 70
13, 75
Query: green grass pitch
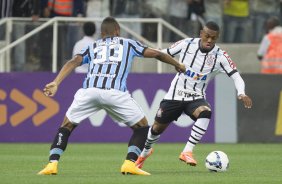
100, 163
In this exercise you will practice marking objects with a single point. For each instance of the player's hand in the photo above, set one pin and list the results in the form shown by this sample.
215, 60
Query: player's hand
50, 89
180, 68
246, 100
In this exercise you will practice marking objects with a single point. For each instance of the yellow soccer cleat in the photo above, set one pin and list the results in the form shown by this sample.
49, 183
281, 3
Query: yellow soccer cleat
187, 157
140, 161
50, 169
129, 167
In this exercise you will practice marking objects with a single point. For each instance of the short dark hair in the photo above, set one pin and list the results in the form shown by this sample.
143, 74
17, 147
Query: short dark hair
109, 25
273, 21
89, 28
213, 26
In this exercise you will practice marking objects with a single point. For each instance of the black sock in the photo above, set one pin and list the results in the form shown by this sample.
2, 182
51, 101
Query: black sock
137, 143
59, 144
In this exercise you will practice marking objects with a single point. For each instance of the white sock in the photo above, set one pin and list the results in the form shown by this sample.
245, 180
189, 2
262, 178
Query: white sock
198, 130
151, 140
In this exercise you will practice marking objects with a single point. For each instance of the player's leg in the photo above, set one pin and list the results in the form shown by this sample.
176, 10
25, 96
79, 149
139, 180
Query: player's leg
137, 140
61, 140
58, 147
123, 109
79, 110
135, 146
169, 111
153, 137
202, 115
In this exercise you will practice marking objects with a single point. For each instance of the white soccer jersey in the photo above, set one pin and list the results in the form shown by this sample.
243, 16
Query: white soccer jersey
200, 68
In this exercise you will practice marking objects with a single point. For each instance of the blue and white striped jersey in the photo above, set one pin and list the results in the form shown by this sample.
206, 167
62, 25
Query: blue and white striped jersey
110, 61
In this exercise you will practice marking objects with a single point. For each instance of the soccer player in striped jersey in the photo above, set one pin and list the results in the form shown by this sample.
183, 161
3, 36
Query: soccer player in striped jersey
203, 59
110, 60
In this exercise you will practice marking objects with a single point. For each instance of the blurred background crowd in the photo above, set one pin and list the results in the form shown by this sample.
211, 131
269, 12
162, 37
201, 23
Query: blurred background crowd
241, 21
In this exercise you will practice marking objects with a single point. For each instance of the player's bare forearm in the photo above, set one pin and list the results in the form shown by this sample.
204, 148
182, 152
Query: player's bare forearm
153, 53
169, 60
67, 69
51, 88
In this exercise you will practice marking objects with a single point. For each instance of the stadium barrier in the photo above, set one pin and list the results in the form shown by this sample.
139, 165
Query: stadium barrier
26, 115
244, 55
29, 116
54, 22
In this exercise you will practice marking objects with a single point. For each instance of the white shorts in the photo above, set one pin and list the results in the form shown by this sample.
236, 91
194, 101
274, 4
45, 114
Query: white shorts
120, 106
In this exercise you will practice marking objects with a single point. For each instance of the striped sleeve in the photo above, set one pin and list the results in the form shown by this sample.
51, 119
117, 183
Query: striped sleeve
86, 54
227, 65
138, 48
175, 48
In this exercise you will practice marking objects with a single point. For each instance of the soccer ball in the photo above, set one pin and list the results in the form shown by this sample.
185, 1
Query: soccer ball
217, 161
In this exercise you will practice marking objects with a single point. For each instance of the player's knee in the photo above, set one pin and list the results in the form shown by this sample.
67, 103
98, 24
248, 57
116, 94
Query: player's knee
69, 126
205, 114
158, 128
156, 131
142, 123
139, 125
143, 131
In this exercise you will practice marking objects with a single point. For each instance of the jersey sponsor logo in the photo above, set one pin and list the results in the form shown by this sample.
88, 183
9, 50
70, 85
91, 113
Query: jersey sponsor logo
109, 63
231, 63
196, 76
186, 94
102, 75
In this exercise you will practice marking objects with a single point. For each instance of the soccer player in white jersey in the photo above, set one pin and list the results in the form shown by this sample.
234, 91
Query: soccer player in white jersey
110, 60
203, 59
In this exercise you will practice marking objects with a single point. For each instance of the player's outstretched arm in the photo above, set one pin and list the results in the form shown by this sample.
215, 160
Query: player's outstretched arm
153, 53
240, 86
52, 87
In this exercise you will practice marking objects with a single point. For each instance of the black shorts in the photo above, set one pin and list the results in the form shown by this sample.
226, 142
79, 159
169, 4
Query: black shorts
170, 110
